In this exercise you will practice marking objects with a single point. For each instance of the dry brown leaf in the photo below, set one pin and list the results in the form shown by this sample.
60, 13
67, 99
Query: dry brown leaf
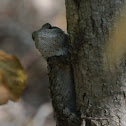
4, 91
13, 74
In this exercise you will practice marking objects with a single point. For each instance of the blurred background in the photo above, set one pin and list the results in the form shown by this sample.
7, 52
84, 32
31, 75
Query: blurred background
18, 19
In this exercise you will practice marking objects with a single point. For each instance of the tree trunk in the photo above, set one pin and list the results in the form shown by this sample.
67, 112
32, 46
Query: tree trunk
100, 91
87, 83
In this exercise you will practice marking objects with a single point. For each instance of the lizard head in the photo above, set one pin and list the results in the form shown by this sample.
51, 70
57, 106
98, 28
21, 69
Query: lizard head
50, 41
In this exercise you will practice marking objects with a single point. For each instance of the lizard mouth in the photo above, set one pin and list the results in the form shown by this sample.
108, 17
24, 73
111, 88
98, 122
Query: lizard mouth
33, 35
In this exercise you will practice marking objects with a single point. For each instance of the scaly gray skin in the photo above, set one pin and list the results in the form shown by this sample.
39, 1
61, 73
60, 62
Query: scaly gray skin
46, 41
52, 43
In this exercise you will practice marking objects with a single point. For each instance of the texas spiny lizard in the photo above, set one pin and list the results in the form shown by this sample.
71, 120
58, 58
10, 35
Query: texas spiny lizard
52, 43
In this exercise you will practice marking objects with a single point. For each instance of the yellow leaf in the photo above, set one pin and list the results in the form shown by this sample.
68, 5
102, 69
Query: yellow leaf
4, 91
14, 75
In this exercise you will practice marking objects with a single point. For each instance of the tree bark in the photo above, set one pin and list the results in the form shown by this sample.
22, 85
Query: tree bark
100, 91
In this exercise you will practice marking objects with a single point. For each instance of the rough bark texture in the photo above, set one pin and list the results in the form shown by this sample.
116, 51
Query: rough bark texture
100, 92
